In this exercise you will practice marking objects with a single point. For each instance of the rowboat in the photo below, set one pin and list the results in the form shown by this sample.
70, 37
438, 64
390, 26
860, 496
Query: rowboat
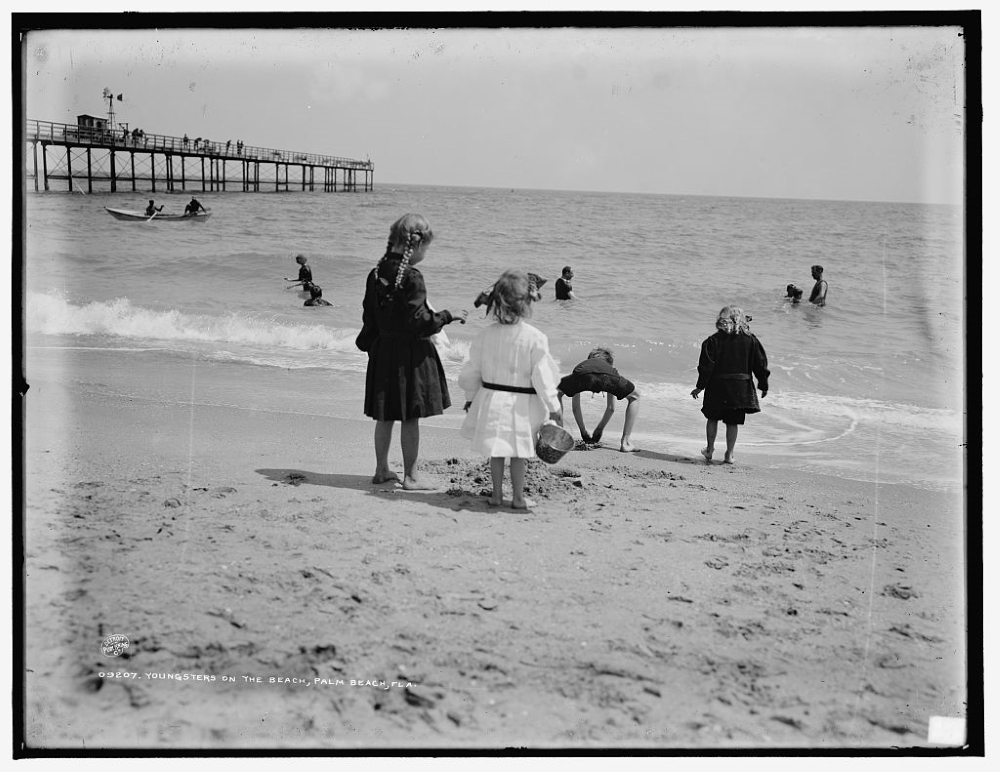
133, 215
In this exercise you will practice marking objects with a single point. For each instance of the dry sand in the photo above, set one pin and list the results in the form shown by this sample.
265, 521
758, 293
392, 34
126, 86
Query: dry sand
647, 601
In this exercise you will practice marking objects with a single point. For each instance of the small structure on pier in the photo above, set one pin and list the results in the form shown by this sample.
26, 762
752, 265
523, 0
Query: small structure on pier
97, 153
88, 125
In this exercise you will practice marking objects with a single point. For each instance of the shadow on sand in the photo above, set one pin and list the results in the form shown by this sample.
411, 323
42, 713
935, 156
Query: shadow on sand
454, 499
652, 455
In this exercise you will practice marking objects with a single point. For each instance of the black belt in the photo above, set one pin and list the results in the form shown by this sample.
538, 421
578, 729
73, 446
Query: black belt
733, 376
516, 389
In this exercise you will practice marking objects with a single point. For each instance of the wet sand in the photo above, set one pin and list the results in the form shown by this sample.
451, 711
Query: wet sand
273, 597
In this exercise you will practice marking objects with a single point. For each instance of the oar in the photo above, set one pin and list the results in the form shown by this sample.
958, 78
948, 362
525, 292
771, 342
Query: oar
151, 218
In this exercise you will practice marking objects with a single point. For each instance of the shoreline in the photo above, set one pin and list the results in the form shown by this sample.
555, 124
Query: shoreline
853, 448
649, 600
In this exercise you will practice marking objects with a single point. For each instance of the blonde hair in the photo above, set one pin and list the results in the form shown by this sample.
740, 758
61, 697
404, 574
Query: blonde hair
732, 321
511, 297
407, 232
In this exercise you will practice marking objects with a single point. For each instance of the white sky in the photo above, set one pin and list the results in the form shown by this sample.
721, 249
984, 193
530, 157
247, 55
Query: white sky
869, 113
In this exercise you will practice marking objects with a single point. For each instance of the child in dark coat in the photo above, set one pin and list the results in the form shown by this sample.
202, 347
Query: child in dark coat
729, 360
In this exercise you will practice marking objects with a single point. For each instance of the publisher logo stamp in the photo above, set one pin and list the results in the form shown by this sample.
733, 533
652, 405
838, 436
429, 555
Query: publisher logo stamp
114, 645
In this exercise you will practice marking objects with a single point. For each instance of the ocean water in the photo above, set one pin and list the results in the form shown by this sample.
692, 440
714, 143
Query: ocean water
871, 387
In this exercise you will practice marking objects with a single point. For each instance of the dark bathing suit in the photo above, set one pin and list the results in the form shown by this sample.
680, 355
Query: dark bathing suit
597, 376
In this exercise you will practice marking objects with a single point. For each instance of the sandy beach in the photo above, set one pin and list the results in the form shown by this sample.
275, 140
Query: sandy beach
273, 598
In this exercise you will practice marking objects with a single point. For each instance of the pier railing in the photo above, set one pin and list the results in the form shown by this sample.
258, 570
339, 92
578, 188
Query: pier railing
65, 133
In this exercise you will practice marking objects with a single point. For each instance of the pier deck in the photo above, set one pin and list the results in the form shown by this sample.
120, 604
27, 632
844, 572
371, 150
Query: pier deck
79, 155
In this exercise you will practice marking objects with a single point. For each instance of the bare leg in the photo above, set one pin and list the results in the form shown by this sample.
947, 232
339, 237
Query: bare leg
711, 429
410, 440
731, 431
609, 411
631, 412
496, 472
517, 469
578, 415
383, 438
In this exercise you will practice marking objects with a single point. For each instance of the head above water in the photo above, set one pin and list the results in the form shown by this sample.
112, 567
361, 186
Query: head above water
817, 271
732, 321
510, 300
300, 259
567, 272
314, 291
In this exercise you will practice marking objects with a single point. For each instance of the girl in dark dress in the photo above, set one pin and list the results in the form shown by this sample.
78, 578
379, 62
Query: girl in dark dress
729, 360
405, 380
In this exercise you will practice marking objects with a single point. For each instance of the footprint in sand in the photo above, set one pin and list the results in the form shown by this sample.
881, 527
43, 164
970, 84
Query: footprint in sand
903, 592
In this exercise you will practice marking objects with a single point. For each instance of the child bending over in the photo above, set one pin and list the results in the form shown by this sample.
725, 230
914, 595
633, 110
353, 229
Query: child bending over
596, 374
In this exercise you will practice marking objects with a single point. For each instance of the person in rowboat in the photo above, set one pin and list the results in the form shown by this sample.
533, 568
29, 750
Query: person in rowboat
193, 207
152, 209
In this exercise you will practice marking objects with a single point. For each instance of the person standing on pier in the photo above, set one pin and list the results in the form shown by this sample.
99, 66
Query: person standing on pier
405, 380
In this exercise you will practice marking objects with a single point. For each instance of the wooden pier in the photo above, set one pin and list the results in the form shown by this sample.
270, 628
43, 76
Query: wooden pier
84, 156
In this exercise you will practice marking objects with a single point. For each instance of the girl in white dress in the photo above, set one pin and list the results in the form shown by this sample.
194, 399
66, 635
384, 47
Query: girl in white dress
511, 386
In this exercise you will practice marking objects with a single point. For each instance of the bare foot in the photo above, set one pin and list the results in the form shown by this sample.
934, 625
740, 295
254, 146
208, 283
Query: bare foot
728, 460
492, 502
384, 477
522, 504
414, 484
628, 447
707, 453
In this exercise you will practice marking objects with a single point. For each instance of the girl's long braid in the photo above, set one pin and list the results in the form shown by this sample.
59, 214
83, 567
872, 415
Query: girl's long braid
412, 239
